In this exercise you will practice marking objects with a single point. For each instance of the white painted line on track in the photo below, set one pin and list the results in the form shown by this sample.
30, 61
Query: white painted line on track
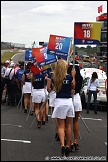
15, 140
92, 119
105, 143
13, 125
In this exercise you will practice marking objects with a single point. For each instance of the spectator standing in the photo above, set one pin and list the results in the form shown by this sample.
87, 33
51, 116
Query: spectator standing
3, 69
92, 86
10, 71
18, 76
106, 86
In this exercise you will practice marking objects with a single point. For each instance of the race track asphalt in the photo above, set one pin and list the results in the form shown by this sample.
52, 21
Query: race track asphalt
19, 142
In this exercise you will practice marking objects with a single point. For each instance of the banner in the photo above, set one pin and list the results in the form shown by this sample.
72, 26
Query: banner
46, 69
34, 69
39, 71
42, 58
87, 33
28, 55
59, 46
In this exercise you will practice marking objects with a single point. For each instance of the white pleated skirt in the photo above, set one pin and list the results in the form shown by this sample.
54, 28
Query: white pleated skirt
27, 87
52, 97
77, 102
38, 95
63, 108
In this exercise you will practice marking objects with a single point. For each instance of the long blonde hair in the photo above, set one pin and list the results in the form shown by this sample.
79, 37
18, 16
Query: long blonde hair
60, 72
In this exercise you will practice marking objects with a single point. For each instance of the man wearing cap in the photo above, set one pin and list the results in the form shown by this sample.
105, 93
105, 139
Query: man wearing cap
18, 75
3, 69
9, 71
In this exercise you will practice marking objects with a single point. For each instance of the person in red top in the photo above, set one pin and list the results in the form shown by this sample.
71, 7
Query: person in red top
101, 68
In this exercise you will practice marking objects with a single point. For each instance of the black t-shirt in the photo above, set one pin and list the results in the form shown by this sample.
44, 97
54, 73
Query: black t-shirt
27, 74
65, 91
39, 82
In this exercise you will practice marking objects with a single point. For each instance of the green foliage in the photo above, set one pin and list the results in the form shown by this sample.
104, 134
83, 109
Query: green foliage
7, 56
88, 49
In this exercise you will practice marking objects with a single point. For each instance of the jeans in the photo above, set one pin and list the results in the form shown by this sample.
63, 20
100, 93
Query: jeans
89, 99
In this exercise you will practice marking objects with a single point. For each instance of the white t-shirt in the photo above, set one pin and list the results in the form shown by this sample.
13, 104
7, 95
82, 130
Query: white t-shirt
7, 73
93, 86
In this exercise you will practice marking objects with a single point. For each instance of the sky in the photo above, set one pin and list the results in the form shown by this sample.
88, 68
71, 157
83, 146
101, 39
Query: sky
24, 22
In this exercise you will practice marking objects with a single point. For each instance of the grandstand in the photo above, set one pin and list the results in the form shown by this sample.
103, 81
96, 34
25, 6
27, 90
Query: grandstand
8, 45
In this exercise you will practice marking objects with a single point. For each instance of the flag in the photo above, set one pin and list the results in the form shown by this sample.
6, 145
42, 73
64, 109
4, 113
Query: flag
46, 69
100, 9
34, 69
39, 71
42, 58
59, 46
28, 55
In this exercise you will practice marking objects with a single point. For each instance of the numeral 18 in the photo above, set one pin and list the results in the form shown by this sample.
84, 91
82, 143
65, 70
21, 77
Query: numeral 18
86, 33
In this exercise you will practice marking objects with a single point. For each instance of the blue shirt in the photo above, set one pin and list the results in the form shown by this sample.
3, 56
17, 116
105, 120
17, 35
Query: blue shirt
65, 91
19, 74
27, 75
3, 69
39, 82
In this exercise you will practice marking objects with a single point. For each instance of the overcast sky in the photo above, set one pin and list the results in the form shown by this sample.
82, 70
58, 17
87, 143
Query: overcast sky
27, 21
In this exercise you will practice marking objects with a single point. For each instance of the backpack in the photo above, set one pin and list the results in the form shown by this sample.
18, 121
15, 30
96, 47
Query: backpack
6, 79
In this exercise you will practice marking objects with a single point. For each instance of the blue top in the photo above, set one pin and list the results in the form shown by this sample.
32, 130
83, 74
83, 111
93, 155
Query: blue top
3, 69
65, 91
19, 74
27, 75
39, 82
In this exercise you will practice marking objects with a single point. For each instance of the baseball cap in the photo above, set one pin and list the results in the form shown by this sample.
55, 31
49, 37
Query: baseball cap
7, 61
12, 64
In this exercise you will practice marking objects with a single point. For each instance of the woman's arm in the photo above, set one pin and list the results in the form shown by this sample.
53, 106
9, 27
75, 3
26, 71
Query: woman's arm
23, 79
48, 84
73, 73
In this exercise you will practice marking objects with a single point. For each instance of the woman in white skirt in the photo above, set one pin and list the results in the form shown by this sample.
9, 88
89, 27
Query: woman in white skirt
52, 96
26, 81
38, 96
77, 104
63, 105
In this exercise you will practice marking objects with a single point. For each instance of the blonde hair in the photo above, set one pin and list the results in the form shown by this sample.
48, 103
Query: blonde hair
60, 72
53, 66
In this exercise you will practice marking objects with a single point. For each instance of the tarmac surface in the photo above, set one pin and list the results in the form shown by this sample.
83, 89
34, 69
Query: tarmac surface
19, 142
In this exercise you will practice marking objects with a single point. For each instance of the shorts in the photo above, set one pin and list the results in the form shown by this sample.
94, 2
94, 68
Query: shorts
38, 95
27, 87
52, 97
77, 102
63, 108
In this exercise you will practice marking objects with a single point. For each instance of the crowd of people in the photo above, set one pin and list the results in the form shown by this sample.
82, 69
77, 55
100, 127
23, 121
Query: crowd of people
58, 90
